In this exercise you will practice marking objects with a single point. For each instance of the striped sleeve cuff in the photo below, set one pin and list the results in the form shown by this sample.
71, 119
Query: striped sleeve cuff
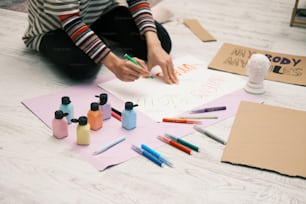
141, 12
60, 7
84, 37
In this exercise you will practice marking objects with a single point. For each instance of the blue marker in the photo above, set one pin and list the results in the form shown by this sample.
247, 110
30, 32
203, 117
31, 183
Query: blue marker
109, 145
156, 154
148, 155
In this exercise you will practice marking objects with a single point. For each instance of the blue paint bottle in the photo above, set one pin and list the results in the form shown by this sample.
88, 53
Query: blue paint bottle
67, 107
104, 106
129, 116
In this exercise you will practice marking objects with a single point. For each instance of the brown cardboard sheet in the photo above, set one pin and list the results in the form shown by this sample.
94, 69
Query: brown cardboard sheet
198, 30
284, 67
268, 137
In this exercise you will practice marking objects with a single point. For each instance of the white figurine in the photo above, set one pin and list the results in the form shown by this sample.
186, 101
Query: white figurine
257, 68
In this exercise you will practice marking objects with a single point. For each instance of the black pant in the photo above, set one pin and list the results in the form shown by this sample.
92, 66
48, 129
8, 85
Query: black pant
116, 25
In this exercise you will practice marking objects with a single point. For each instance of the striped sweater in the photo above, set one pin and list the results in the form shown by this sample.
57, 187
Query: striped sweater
76, 17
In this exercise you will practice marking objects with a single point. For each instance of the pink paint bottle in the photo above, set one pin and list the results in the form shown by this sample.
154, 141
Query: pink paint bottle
60, 125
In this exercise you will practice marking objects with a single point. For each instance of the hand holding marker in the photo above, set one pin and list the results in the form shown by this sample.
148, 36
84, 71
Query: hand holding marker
126, 56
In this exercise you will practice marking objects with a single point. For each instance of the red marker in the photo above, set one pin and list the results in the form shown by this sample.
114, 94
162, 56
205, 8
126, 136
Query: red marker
115, 115
175, 144
180, 120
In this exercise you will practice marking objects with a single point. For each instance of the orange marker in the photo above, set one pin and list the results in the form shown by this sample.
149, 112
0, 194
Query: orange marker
175, 144
181, 120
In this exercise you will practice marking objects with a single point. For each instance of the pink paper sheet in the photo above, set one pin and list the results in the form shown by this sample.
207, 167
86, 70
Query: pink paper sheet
146, 131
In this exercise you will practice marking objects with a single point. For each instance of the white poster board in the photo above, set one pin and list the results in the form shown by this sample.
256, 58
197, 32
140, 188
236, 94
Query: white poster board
197, 86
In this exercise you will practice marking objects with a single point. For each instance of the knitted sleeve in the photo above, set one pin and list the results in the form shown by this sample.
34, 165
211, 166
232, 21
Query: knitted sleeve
84, 37
69, 16
141, 12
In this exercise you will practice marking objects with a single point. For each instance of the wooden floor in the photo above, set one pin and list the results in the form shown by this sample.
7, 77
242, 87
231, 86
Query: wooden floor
35, 168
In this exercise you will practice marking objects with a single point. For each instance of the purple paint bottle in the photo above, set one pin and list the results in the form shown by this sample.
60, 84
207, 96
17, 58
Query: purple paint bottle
104, 106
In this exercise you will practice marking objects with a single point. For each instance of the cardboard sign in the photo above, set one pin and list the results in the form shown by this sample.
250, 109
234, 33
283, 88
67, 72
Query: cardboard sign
284, 68
198, 30
268, 137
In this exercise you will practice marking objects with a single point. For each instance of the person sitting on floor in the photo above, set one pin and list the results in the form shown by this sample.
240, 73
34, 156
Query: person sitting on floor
73, 34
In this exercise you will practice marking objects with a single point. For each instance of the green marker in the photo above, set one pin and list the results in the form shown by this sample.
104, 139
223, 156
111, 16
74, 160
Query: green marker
183, 142
128, 57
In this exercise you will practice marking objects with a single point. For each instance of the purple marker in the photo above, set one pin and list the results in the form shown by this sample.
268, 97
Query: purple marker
212, 109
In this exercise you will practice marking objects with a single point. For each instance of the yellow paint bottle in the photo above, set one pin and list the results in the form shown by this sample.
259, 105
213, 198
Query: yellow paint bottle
83, 130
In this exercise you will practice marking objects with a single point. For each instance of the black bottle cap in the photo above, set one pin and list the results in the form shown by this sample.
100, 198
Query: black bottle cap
59, 114
83, 120
103, 98
129, 105
94, 106
65, 100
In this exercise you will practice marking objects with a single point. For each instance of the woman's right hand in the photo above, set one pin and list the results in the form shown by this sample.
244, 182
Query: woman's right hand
124, 69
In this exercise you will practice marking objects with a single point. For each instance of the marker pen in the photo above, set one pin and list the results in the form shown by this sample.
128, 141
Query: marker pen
183, 142
147, 155
211, 109
180, 120
175, 144
126, 56
109, 145
157, 155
